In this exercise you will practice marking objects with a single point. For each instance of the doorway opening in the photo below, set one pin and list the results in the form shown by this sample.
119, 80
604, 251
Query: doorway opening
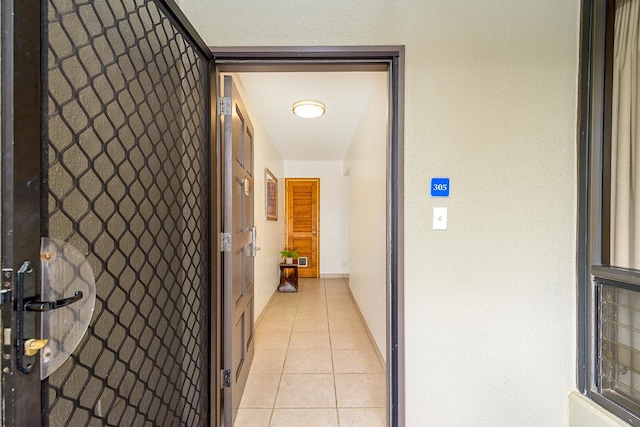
387, 60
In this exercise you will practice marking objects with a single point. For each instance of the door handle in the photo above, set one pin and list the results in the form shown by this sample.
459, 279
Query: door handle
313, 232
52, 305
254, 237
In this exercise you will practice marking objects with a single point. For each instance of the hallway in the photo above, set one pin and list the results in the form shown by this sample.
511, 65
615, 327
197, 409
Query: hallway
314, 363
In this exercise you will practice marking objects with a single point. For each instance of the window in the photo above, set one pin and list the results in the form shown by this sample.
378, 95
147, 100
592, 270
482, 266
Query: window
609, 207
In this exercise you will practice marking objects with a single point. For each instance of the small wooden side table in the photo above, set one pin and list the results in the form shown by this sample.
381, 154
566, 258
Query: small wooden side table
288, 278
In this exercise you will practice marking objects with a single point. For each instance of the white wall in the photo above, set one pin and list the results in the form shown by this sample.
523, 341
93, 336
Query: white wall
366, 160
491, 102
334, 211
270, 233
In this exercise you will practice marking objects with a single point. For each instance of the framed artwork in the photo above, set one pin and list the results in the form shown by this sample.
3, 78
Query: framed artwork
271, 195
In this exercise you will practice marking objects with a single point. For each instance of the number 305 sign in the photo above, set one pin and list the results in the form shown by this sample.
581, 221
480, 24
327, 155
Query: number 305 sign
440, 187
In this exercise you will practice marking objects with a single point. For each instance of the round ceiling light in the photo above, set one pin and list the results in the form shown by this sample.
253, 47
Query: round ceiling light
308, 108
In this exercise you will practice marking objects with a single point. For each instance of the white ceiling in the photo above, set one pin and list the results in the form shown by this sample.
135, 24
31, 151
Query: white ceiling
269, 97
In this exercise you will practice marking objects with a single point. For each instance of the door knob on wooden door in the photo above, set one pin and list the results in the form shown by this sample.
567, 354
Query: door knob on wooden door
313, 232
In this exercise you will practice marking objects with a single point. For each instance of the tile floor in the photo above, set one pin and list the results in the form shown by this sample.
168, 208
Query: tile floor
314, 363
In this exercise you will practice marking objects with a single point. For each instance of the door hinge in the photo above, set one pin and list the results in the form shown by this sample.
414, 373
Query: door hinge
225, 242
225, 378
224, 105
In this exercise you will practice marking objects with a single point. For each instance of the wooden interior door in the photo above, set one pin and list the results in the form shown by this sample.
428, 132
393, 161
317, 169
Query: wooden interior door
239, 251
303, 221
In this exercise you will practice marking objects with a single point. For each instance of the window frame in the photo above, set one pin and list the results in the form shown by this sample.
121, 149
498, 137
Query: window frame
594, 130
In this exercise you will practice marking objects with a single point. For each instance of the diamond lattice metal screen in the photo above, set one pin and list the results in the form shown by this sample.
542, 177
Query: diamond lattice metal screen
127, 175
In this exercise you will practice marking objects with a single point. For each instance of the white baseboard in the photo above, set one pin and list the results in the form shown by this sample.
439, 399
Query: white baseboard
256, 322
366, 328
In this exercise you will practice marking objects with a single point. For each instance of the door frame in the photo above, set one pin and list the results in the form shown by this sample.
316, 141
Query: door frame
347, 58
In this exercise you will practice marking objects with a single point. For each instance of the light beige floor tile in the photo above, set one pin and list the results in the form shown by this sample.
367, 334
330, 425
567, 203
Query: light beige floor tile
338, 299
309, 281
335, 283
282, 313
304, 417
260, 391
313, 302
307, 324
312, 291
312, 310
306, 391
360, 390
284, 304
356, 362
310, 284
276, 325
362, 417
341, 315
307, 336
308, 362
285, 300
307, 293
249, 417
268, 361
312, 317
285, 296
342, 309
345, 325
343, 290
349, 341
310, 341
272, 340
343, 304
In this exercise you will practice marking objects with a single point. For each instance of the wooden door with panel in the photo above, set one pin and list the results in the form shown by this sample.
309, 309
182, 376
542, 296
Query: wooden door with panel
303, 222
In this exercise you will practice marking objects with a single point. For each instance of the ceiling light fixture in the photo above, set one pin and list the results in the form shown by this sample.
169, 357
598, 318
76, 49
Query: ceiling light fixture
308, 108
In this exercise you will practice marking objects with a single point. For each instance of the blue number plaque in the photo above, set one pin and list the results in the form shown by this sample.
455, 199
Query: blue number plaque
440, 187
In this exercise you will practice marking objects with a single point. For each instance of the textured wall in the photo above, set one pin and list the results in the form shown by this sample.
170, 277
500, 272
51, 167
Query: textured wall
491, 103
366, 161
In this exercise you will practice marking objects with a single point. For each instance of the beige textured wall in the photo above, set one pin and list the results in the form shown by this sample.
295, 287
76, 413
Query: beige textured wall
491, 103
366, 161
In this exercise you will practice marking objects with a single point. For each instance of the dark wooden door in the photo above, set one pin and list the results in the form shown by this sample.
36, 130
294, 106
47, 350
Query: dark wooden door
239, 254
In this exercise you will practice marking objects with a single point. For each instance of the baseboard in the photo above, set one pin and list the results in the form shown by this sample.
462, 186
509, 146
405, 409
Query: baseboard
257, 321
369, 334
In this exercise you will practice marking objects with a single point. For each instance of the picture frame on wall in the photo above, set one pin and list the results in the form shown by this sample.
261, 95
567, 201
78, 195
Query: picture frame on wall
271, 195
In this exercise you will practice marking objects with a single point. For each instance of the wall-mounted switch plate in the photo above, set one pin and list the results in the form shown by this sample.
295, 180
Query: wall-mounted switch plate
439, 218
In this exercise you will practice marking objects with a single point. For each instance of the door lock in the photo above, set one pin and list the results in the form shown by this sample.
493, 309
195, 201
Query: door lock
32, 346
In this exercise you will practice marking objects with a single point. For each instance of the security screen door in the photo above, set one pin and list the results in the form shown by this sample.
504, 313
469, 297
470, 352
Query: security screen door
106, 147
